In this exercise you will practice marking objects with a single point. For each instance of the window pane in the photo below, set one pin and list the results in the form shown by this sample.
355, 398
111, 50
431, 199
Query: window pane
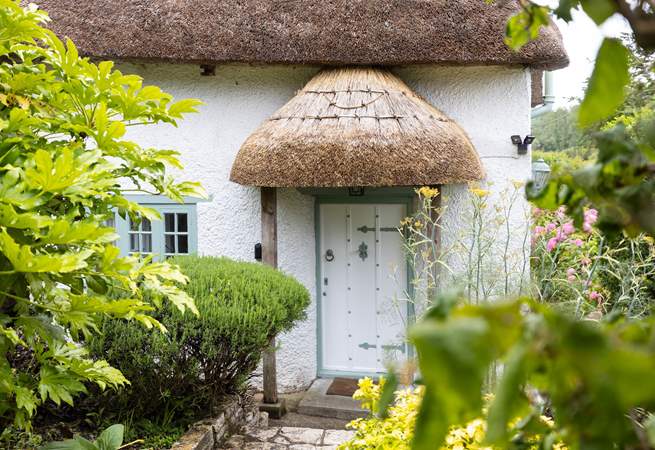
182, 223
133, 225
145, 225
170, 243
169, 221
111, 222
134, 242
146, 243
182, 243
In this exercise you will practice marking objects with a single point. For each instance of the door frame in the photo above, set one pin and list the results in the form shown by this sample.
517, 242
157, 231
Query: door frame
401, 195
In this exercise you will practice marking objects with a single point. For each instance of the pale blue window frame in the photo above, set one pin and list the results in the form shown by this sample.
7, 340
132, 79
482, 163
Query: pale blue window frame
158, 230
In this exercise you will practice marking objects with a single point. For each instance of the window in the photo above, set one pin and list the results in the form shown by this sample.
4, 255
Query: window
140, 236
174, 234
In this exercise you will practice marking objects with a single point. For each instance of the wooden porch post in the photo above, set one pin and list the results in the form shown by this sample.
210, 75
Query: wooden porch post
436, 233
272, 404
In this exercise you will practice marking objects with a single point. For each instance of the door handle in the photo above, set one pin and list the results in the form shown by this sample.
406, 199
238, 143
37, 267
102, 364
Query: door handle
366, 345
329, 255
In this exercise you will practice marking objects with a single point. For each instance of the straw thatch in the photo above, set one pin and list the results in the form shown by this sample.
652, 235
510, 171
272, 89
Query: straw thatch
332, 32
356, 127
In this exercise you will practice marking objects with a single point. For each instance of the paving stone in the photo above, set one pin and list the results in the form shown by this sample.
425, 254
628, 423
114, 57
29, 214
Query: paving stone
264, 446
288, 438
336, 437
235, 441
264, 434
302, 435
280, 439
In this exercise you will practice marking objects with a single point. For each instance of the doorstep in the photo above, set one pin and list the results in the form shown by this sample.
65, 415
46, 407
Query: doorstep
316, 402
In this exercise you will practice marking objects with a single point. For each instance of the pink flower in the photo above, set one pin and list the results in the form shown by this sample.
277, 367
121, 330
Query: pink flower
570, 274
578, 242
539, 230
552, 243
560, 235
595, 296
568, 228
536, 212
550, 227
585, 261
591, 216
587, 227
560, 212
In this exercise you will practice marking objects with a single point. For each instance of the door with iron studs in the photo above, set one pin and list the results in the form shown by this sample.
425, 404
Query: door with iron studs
363, 274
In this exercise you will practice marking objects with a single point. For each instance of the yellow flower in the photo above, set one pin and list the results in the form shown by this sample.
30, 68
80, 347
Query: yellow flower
479, 192
518, 184
428, 192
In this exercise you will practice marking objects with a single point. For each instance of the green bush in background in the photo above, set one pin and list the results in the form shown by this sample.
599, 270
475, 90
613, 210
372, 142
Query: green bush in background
188, 370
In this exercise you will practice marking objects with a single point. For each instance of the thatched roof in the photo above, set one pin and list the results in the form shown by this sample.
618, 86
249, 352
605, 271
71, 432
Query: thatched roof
356, 126
328, 32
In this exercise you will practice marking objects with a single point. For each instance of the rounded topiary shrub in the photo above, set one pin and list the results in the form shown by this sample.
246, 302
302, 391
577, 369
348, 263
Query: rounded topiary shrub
201, 359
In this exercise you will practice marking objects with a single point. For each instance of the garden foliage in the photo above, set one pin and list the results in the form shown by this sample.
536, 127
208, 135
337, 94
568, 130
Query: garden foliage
242, 305
395, 429
63, 161
110, 439
592, 377
580, 271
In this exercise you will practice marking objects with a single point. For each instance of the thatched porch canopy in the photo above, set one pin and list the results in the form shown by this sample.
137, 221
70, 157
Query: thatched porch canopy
356, 126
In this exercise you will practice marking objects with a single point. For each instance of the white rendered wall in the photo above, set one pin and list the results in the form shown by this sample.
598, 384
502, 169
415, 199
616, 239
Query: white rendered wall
490, 103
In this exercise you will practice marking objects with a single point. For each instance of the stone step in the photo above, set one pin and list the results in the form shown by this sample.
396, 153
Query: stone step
316, 402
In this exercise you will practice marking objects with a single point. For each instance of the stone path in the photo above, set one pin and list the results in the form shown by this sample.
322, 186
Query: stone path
288, 438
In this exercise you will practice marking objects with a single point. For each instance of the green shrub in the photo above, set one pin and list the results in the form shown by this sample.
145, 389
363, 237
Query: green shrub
565, 161
395, 429
200, 359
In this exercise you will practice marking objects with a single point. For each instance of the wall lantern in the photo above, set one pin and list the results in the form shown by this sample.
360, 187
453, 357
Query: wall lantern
540, 174
356, 191
522, 144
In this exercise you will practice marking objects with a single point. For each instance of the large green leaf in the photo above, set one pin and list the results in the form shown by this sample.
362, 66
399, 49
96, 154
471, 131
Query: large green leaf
599, 10
111, 438
606, 89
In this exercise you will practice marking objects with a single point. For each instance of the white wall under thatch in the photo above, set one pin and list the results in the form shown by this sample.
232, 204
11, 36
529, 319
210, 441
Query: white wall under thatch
490, 103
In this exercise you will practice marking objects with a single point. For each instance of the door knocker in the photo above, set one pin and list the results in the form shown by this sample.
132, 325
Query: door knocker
363, 251
329, 255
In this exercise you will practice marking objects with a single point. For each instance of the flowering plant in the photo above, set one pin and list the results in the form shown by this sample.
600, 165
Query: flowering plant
581, 271
396, 429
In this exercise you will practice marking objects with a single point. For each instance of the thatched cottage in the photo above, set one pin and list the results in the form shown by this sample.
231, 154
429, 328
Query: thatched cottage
319, 118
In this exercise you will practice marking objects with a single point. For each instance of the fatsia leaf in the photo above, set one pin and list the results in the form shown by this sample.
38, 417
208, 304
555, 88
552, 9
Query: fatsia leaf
185, 106
609, 78
11, 335
23, 260
26, 400
58, 386
67, 232
11, 219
